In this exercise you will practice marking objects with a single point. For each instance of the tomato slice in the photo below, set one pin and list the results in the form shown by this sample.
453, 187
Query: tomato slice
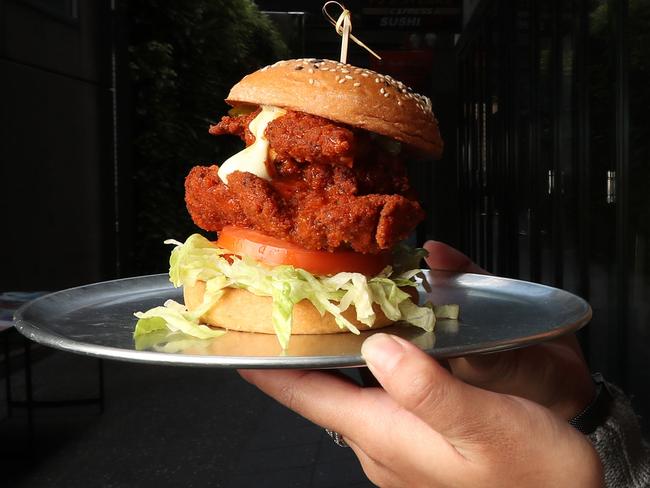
272, 251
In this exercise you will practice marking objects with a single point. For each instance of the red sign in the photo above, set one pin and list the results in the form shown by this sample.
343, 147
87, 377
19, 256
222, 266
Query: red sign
413, 14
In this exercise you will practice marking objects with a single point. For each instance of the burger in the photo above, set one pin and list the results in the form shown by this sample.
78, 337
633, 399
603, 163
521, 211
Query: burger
310, 215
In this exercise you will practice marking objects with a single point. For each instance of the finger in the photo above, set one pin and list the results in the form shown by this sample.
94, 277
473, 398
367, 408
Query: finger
324, 399
571, 341
446, 258
553, 374
327, 400
300, 390
366, 417
483, 370
508, 371
377, 472
420, 385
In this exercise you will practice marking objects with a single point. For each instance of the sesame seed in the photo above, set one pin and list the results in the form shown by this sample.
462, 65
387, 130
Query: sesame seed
342, 80
332, 69
311, 70
399, 102
337, 77
311, 81
381, 90
386, 94
357, 84
364, 74
376, 80
348, 77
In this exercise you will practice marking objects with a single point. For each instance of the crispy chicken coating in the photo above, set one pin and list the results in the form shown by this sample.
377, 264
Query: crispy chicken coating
296, 136
236, 126
308, 138
332, 187
319, 220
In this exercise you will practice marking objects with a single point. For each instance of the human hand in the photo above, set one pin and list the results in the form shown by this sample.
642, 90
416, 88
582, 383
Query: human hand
553, 374
428, 428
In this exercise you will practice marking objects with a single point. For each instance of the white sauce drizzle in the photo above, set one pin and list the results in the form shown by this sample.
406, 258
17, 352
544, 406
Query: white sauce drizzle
253, 158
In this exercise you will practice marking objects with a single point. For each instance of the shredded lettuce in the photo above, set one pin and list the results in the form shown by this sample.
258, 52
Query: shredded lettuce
199, 259
171, 342
176, 318
406, 258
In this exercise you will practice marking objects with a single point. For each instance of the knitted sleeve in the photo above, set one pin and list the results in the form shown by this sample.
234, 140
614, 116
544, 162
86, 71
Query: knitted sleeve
622, 450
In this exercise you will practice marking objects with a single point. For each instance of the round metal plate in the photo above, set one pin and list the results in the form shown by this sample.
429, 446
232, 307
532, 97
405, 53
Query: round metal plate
495, 314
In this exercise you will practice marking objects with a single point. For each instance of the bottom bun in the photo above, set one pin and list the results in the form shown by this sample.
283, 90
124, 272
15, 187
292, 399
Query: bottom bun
241, 310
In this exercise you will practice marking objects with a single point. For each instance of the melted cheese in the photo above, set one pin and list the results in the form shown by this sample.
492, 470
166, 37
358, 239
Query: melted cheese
253, 158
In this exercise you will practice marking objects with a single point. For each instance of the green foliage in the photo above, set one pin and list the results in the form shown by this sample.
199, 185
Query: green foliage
184, 57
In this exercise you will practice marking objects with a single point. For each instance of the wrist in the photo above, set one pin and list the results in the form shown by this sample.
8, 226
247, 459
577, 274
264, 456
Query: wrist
596, 411
573, 398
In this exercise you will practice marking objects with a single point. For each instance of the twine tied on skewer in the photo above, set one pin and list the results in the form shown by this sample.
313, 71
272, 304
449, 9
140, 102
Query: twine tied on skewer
343, 26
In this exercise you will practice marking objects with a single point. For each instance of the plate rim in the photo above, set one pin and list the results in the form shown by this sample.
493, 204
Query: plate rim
49, 338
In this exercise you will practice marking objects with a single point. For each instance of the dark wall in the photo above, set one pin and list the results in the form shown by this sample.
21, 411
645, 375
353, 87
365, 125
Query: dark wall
55, 143
554, 169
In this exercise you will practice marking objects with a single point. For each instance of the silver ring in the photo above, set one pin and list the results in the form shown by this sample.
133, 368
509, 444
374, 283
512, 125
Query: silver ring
337, 438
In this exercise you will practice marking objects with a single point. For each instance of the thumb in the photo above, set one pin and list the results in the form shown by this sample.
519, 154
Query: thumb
446, 258
422, 386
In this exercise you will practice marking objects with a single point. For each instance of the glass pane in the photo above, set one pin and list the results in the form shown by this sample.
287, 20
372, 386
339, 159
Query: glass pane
522, 124
638, 240
544, 174
602, 216
567, 191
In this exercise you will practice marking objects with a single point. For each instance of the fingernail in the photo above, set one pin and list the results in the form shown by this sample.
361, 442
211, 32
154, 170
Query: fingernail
382, 352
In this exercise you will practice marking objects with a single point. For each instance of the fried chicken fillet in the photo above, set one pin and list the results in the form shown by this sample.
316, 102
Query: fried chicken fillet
332, 188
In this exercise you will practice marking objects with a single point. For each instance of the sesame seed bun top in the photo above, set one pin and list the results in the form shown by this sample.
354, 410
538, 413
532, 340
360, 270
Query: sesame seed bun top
344, 93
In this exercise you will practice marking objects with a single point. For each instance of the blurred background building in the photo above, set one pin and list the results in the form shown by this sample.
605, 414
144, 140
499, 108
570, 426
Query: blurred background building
543, 105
